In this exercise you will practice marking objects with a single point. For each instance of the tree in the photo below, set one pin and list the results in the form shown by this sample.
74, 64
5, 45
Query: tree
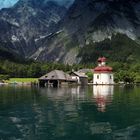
90, 76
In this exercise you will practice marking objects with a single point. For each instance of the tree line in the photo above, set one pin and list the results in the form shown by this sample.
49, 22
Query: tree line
123, 72
126, 72
32, 69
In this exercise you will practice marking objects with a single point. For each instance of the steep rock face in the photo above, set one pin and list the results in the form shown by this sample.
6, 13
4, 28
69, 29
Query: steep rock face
6, 29
94, 16
91, 21
29, 20
48, 31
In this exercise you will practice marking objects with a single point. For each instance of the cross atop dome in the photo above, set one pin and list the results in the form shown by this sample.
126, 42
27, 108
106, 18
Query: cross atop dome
101, 61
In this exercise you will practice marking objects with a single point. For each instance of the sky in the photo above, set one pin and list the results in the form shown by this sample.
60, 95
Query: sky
9, 3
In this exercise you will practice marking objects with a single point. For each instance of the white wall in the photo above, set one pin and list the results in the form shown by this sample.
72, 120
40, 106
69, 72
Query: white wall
76, 78
103, 78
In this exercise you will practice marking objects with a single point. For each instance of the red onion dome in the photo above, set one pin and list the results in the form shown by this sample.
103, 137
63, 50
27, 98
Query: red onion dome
99, 59
103, 59
103, 69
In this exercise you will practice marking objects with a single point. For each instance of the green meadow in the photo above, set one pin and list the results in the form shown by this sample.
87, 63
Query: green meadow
24, 80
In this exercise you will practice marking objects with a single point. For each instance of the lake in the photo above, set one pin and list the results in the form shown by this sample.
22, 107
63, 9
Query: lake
74, 113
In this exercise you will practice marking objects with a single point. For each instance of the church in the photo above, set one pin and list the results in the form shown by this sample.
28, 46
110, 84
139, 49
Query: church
103, 74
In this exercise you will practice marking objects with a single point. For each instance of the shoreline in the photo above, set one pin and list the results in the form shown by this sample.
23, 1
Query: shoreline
89, 84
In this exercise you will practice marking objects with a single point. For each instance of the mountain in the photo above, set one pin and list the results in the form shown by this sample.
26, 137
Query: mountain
7, 50
10, 3
48, 31
93, 21
27, 22
66, 3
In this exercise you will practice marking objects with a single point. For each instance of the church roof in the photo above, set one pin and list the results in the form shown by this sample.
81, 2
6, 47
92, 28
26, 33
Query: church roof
101, 59
103, 69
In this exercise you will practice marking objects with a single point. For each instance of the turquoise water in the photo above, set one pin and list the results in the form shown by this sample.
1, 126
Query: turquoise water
75, 113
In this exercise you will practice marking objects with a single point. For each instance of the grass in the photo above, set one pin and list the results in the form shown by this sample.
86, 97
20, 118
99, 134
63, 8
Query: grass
24, 80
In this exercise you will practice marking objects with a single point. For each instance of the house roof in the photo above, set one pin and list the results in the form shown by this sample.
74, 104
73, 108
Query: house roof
80, 74
56, 75
84, 70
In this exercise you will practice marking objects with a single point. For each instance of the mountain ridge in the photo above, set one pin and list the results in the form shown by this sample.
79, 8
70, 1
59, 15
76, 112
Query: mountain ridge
93, 21
31, 22
86, 22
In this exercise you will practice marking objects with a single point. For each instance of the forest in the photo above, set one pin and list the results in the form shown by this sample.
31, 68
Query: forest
123, 72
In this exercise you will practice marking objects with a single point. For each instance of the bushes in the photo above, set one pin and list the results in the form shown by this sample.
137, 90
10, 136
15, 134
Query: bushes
4, 77
90, 76
137, 79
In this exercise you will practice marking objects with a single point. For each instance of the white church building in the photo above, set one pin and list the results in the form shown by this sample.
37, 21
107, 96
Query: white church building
103, 74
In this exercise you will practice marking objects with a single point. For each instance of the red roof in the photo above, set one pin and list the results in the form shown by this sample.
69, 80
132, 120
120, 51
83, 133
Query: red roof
101, 59
103, 69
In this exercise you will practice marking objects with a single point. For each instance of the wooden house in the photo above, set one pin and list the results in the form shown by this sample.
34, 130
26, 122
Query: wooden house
81, 78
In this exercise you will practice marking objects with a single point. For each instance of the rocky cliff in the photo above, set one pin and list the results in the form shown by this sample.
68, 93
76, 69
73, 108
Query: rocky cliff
50, 32
27, 22
88, 22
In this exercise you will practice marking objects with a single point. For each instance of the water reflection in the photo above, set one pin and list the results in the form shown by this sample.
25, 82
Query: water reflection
70, 113
102, 96
71, 93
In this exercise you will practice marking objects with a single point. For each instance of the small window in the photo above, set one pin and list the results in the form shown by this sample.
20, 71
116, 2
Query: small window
110, 77
97, 76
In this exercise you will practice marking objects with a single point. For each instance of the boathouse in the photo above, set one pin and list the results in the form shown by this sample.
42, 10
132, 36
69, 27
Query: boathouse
55, 78
103, 74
